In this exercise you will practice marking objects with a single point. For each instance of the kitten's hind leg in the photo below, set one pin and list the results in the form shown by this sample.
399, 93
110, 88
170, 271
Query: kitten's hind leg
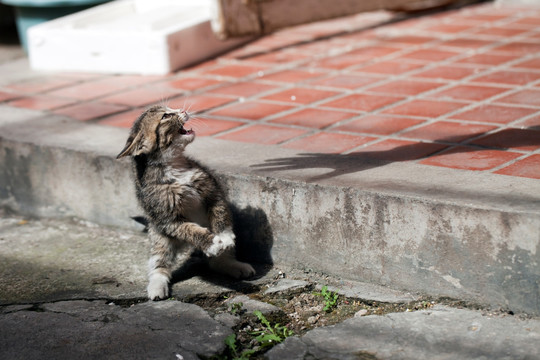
160, 265
226, 263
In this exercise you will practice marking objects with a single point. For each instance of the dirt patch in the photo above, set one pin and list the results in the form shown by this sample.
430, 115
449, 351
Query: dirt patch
299, 311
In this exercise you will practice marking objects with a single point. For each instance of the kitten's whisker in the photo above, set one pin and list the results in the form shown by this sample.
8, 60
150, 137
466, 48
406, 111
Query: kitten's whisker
183, 105
189, 105
165, 101
196, 122
189, 108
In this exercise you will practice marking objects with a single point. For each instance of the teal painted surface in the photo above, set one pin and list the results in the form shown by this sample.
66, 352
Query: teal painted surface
33, 12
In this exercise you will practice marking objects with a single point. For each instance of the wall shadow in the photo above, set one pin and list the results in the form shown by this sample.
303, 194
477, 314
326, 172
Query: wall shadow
254, 237
363, 160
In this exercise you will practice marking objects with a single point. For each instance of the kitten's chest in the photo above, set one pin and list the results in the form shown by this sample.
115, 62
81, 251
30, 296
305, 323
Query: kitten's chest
187, 180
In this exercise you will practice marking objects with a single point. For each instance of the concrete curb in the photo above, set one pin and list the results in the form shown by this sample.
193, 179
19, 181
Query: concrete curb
73, 289
438, 333
402, 225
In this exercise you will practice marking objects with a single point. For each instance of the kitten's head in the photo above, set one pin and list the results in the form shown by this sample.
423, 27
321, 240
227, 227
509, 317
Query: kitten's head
157, 129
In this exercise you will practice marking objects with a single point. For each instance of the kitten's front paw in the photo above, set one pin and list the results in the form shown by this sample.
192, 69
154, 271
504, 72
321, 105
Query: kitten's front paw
158, 287
220, 243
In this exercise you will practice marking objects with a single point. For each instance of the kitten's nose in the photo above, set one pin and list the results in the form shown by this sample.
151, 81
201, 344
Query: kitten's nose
183, 114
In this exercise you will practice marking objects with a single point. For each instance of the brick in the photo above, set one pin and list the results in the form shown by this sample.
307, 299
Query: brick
204, 66
447, 131
405, 87
378, 124
90, 110
292, 76
141, 97
251, 110
449, 28
430, 55
532, 36
494, 114
469, 158
5, 96
132, 80
339, 62
328, 143
389, 67
484, 18
468, 92
519, 47
301, 95
424, 108
533, 122
410, 39
466, 43
190, 83
317, 47
362, 102
41, 102
523, 97
123, 120
209, 126
41, 84
488, 58
88, 90
101, 87
278, 57
197, 103
529, 64
263, 134
355, 57
446, 73
528, 167
244, 89
516, 139
509, 77
277, 40
398, 150
531, 20
236, 71
313, 118
349, 81
371, 52
501, 31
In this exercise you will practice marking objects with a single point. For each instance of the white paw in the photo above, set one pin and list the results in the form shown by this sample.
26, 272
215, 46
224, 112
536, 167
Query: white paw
158, 287
221, 242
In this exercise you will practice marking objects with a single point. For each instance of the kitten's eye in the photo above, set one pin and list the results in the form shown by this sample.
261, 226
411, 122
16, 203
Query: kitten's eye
167, 116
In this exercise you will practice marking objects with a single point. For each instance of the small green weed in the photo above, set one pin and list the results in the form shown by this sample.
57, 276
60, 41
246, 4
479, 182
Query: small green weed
270, 335
267, 337
236, 308
230, 341
330, 298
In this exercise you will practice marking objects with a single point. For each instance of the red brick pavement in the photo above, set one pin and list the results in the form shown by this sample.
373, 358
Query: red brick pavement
458, 89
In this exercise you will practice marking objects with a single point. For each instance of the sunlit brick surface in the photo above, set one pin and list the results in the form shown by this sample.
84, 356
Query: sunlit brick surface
458, 89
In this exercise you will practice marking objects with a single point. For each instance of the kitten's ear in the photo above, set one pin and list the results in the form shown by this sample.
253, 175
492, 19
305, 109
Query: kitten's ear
135, 145
130, 144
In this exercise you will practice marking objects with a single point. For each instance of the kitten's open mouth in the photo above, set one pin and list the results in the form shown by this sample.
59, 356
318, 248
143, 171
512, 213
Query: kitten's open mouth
186, 132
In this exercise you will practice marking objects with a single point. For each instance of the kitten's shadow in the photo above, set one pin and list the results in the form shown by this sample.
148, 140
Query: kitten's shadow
254, 241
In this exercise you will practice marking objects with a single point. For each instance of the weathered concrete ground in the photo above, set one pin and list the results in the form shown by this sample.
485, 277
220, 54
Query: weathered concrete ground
72, 289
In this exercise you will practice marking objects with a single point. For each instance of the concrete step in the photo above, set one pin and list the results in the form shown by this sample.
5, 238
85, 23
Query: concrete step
423, 229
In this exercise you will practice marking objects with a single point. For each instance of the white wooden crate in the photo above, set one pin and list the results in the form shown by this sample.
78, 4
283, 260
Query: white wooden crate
128, 36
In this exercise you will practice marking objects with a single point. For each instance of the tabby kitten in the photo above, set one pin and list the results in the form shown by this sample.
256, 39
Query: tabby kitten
184, 203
